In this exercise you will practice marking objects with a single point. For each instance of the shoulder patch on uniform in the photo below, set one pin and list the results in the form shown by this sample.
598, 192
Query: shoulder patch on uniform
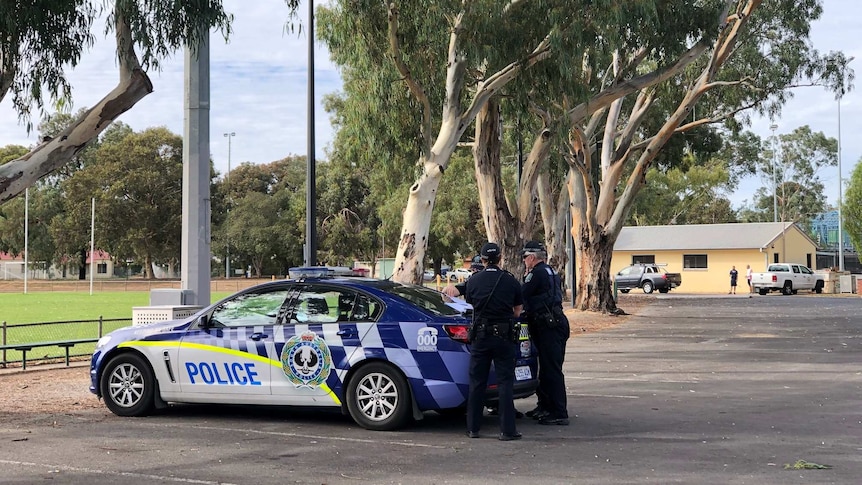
529, 277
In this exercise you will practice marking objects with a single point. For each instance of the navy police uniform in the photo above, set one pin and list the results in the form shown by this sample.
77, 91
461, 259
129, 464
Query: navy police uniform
494, 293
549, 330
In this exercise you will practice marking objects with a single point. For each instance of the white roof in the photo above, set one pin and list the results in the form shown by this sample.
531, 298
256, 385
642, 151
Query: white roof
754, 235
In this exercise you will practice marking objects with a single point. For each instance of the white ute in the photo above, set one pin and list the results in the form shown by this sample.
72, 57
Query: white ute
787, 278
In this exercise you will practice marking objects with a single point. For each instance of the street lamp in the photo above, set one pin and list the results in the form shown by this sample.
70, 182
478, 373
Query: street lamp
229, 137
774, 127
840, 181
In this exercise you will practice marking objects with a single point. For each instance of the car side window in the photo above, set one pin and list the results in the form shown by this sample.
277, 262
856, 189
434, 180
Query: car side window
250, 309
625, 271
796, 269
365, 309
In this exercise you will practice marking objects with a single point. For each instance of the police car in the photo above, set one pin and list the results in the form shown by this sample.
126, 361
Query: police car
380, 351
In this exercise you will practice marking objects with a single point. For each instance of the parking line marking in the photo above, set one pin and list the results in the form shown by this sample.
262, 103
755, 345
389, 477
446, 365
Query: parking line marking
627, 379
95, 471
604, 395
321, 437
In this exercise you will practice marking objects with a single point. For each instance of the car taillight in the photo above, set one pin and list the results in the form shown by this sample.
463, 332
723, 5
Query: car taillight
774, 278
457, 333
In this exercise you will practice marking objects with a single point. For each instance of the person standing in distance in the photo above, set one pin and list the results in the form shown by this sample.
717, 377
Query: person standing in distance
734, 274
748, 273
549, 329
496, 298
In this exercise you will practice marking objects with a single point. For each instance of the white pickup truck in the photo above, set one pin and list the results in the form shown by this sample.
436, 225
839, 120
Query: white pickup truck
787, 278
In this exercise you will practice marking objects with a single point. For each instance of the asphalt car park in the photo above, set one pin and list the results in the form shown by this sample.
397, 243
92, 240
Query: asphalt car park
691, 390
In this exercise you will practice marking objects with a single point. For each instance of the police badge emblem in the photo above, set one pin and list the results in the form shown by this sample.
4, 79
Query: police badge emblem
305, 360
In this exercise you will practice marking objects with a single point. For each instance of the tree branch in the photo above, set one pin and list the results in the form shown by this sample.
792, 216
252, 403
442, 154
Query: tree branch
608, 95
496, 81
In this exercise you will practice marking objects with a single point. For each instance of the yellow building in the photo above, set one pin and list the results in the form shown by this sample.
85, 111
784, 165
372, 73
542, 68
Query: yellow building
705, 253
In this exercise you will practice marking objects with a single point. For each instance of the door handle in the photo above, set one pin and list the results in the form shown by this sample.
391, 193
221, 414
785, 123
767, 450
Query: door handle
347, 332
258, 336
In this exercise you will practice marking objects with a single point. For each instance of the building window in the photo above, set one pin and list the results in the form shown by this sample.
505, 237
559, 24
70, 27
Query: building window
102, 268
775, 258
694, 261
643, 259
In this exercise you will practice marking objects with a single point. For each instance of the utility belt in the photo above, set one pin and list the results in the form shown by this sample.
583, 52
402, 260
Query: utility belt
546, 319
504, 329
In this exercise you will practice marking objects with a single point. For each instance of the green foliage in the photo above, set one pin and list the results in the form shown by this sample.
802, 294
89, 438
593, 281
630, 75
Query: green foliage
265, 226
12, 152
795, 161
44, 204
137, 183
806, 465
851, 209
684, 196
38, 39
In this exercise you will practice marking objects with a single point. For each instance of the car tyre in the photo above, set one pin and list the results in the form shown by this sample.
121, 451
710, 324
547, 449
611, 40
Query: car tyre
378, 397
787, 289
762, 291
663, 290
818, 287
128, 385
624, 291
648, 287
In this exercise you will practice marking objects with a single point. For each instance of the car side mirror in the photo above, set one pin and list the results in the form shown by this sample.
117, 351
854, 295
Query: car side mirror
204, 321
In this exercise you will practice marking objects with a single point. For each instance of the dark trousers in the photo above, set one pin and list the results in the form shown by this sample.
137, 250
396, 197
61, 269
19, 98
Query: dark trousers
551, 345
502, 353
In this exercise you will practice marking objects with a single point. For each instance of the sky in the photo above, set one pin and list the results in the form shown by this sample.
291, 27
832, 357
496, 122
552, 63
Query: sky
258, 90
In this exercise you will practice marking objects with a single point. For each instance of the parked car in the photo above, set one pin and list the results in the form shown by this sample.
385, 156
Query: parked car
459, 274
380, 351
787, 278
649, 277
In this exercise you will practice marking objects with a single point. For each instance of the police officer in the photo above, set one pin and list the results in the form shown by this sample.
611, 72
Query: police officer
549, 329
496, 298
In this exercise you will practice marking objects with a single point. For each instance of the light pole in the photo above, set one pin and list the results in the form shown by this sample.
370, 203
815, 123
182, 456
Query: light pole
774, 127
840, 181
310, 175
229, 137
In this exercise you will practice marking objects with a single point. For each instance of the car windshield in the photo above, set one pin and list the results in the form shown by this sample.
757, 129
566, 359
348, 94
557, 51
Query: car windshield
424, 298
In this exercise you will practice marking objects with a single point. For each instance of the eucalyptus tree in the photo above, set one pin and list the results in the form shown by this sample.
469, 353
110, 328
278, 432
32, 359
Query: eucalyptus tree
757, 51
264, 226
40, 39
449, 53
790, 169
136, 182
563, 91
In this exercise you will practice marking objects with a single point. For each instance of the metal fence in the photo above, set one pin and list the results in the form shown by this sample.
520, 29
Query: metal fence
49, 342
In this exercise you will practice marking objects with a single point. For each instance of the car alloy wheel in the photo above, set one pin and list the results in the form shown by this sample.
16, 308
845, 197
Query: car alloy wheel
378, 397
128, 386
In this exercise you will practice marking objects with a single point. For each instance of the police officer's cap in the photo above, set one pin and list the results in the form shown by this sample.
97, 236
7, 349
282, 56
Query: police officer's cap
533, 247
490, 251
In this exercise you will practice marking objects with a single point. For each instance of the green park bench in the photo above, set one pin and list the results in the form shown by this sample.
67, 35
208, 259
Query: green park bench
64, 344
